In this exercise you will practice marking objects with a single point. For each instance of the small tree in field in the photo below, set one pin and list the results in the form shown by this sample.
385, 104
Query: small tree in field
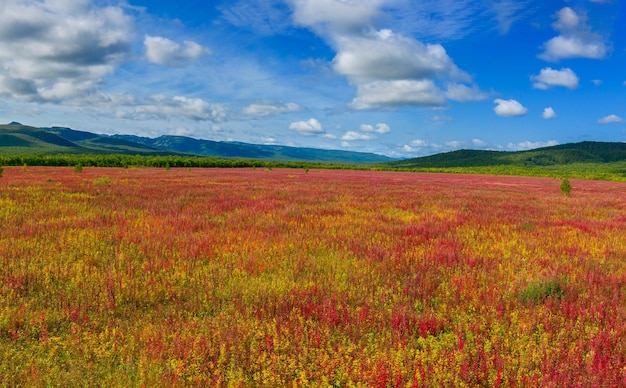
566, 187
1, 169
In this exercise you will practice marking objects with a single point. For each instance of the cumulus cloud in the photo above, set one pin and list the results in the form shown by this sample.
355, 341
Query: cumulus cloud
549, 77
464, 93
575, 40
388, 69
166, 52
386, 55
509, 108
267, 109
378, 94
381, 128
308, 128
160, 107
611, 119
57, 51
548, 113
335, 15
352, 135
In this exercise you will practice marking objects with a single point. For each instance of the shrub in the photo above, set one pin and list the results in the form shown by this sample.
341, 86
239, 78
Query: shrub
566, 187
540, 290
78, 168
1, 169
102, 181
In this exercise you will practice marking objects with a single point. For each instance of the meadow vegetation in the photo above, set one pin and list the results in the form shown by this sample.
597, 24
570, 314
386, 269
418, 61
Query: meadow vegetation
281, 277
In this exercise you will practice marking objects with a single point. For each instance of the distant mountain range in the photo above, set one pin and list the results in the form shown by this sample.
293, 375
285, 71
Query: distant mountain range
16, 138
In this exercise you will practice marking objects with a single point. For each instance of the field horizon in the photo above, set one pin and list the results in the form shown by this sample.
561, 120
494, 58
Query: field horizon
276, 277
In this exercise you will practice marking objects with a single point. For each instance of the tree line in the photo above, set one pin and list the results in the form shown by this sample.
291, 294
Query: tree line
162, 161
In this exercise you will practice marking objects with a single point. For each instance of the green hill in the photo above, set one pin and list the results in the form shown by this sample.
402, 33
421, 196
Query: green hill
584, 152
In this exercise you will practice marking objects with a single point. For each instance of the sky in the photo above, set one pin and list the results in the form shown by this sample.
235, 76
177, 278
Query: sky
402, 78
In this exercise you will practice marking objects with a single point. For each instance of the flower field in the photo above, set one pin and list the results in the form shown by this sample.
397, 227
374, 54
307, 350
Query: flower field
286, 277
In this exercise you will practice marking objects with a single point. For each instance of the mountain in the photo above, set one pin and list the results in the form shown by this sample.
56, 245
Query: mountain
16, 138
584, 152
187, 145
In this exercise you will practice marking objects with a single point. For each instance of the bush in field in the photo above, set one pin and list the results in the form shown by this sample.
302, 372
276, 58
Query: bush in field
540, 290
78, 168
1, 169
566, 187
102, 181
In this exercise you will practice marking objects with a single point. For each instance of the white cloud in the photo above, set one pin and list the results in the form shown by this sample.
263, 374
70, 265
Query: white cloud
548, 113
423, 147
464, 93
529, 145
379, 94
56, 51
419, 143
352, 135
596, 82
160, 107
338, 15
380, 128
548, 77
307, 128
575, 40
389, 56
388, 69
267, 109
509, 108
454, 144
611, 119
478, 143
166, 52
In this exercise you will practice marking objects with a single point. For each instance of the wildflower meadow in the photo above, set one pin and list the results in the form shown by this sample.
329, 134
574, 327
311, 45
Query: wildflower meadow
292, 277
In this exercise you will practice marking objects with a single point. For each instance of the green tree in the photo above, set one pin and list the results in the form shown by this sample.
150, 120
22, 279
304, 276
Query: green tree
566, 187
1, 169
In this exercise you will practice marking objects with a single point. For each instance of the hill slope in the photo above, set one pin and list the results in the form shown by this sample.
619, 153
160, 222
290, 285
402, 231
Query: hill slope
16, 138
584, 152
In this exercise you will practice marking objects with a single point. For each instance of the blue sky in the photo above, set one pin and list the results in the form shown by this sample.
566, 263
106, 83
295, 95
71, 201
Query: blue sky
403, 78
